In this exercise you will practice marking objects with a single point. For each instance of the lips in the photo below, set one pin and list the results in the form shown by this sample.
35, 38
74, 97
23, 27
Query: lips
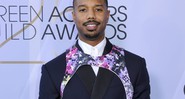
91, 26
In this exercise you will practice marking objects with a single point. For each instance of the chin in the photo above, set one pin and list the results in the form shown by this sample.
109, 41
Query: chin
92, 37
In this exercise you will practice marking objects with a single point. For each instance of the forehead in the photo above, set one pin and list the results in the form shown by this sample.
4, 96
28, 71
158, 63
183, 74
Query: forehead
78, 3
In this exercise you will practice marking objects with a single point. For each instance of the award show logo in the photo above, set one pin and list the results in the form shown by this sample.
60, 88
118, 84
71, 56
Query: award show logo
18, 20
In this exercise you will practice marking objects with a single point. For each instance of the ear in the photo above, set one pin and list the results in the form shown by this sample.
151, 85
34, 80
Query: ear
73, 14
108, 13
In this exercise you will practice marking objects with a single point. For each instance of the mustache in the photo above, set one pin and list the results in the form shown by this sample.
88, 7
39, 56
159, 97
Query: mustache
91, 21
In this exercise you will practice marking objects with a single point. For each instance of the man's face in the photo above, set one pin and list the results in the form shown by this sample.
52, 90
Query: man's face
90, 17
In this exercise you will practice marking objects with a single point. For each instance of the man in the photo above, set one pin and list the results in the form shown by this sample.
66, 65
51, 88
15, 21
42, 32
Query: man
94, 68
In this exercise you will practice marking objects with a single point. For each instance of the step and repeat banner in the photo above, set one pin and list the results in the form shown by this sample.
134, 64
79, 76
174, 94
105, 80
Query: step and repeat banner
34, 32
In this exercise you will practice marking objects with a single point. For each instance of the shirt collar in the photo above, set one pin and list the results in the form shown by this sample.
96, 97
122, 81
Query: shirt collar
93, 50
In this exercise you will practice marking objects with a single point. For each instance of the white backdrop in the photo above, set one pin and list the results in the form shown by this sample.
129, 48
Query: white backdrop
153, 29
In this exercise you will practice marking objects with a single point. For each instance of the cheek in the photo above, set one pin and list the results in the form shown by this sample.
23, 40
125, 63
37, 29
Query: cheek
105, 22
106, 19
79, 20
78, 23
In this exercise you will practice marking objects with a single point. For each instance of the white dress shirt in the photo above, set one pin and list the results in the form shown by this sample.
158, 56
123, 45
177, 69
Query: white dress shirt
93, 50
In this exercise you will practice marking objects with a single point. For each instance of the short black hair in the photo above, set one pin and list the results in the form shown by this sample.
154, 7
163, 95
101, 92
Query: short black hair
106, 2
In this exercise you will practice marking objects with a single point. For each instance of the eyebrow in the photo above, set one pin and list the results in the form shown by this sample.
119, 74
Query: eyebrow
98, 5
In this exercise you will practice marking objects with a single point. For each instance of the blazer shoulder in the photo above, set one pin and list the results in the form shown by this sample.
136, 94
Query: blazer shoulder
134, 62
132, 56
55, 69
56, 63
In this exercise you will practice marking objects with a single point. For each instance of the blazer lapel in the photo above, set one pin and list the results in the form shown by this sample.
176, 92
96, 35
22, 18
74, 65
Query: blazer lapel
101, 84
108, 47
87, 76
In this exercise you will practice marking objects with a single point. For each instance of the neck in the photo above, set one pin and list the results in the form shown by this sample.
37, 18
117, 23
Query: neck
93, 42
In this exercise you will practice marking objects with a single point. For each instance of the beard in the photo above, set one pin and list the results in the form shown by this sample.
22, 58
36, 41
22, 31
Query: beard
92, 37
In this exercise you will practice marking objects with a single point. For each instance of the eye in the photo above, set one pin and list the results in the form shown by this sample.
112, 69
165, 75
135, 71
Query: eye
82, 10
99, 10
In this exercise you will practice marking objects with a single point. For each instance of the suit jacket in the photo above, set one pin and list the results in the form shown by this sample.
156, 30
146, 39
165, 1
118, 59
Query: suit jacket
85, 85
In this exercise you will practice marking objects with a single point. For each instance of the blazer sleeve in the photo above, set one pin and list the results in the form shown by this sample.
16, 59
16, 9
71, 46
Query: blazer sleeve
142, 86
47, 87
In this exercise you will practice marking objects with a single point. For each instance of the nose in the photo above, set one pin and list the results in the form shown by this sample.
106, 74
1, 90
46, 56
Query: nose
91, 15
